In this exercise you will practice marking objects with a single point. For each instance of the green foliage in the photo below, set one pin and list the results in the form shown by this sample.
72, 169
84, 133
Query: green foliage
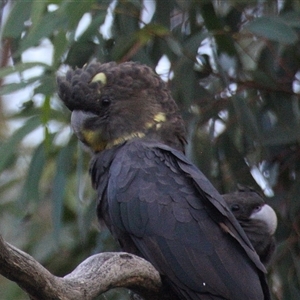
234, 72
274, 29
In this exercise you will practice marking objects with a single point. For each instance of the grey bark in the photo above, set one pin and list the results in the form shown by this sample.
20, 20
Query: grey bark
92, 277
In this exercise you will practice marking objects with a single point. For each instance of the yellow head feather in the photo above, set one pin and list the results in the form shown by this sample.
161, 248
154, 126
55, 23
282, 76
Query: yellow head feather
101, 77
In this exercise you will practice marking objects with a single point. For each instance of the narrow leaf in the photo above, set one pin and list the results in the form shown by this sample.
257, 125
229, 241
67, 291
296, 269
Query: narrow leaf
37, 11
73, 11
280, 135
30, 191
246, 118
20, 68
13, 87
291, 18
46, 27
15, 23
63, 164
274, 29
8, 149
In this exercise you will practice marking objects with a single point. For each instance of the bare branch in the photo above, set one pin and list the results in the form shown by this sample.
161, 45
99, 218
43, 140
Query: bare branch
92, 277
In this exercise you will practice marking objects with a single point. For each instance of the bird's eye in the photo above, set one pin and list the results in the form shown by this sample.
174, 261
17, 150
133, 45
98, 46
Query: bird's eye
235, 207
105, 101
257, 208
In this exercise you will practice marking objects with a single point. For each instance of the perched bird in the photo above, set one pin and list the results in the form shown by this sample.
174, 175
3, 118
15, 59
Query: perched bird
257, 218
154, 201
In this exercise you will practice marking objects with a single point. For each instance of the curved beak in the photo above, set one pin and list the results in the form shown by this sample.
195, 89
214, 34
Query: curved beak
267, 215
78, 119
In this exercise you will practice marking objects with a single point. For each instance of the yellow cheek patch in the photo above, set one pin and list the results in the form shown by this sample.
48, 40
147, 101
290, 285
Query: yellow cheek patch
160, 117
93, 140
101, 77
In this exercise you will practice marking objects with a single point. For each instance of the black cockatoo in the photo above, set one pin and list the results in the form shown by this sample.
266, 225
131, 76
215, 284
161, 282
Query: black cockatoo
154, 201
257, 218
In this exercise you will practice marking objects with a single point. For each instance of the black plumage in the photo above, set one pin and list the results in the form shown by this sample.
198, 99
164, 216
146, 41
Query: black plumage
154, 201
257, 218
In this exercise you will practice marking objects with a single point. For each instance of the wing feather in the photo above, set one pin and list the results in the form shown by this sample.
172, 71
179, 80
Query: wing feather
172, 214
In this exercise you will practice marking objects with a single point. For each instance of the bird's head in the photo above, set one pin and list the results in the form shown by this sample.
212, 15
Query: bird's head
112, 103
249, 207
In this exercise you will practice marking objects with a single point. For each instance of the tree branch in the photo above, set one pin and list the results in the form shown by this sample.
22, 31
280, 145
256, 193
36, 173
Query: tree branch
92, 277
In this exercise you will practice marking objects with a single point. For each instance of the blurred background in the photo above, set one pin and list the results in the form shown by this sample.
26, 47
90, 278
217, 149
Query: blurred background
234, 69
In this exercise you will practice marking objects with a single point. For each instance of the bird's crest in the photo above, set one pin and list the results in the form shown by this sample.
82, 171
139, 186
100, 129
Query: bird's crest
128, 101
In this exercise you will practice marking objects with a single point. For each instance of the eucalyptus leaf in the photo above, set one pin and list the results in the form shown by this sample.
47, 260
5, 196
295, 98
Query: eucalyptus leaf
246, 118
274, 29
47, 85
30, 191
10, 147
19, 14
13, 87
126, 19
163, 11
63, 163
216, 27
49, 23
60, 44
20, 67
74, 10
123, 46
235, 169
37, 11
280, 135
291, 18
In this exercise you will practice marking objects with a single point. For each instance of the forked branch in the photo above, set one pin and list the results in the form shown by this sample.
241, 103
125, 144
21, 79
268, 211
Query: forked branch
92, 277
